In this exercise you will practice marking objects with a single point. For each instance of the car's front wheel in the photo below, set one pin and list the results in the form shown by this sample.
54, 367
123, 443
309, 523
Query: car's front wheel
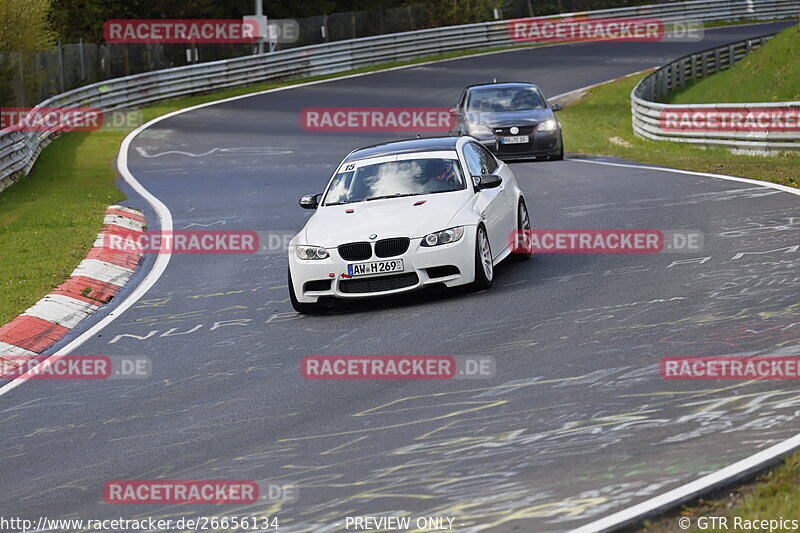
523, 234
300, 307
558, 154
484, 267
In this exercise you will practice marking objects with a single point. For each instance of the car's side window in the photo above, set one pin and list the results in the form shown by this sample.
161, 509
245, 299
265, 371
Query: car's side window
488, 163
473, 158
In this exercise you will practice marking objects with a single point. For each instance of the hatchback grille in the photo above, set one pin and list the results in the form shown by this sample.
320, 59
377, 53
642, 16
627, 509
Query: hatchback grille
379, 284
523, 130
391, 247
355, 251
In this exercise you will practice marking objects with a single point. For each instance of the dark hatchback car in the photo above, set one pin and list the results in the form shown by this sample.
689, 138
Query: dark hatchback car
512, 119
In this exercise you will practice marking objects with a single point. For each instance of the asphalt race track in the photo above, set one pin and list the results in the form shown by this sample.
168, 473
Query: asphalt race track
576, 424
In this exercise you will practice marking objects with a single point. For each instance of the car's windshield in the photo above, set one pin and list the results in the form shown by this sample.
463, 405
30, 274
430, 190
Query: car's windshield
504, 99
411, 177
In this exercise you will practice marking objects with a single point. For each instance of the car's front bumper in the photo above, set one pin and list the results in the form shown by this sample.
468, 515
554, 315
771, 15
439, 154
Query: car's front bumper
422, 267
541, 143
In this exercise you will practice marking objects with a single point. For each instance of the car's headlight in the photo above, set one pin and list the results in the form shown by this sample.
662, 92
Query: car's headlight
547, 125
311, 252
443, 237
479, 129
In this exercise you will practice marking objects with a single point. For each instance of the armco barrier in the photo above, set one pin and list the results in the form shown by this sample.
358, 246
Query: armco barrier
648, 115
19, 150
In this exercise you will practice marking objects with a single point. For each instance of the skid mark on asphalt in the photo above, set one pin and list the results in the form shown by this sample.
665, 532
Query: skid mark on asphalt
217, 151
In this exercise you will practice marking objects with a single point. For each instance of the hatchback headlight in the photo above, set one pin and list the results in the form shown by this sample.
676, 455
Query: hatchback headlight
475, 128
311, 252
443, 237
547, 125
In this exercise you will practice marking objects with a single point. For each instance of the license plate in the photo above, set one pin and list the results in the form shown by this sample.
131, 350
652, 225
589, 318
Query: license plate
377, 267
519, 139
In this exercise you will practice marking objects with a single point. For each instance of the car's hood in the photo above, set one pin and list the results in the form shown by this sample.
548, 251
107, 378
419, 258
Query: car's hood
531, 117
392, 217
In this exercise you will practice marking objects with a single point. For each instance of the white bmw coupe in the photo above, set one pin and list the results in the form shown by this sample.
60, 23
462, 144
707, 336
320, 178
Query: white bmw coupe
404, 215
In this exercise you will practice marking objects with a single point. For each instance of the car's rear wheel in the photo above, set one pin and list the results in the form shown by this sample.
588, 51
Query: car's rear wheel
300, 307
484, 267
523, 233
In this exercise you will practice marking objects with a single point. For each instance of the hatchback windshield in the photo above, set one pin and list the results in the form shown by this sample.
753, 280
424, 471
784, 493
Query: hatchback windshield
504, 99
394, 178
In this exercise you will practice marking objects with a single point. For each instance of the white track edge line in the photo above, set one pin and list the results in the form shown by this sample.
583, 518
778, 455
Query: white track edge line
777, 186
691, 489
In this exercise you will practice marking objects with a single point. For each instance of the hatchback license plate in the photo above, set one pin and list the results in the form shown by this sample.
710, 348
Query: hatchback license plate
519, 139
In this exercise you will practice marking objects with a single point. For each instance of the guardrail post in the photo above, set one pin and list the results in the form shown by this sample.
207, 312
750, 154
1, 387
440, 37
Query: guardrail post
704, 64
716, 60
731, 56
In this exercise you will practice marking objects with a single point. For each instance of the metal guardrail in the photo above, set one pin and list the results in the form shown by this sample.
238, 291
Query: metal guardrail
648, 115
19, 150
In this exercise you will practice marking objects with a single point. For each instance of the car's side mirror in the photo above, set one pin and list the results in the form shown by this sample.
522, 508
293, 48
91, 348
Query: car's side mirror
310, 201
488, 181
454, 113
556, 107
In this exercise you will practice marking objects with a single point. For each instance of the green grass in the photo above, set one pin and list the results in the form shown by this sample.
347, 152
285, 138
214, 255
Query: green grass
723, 23
48, 220
770, 497
600, 123
769, 74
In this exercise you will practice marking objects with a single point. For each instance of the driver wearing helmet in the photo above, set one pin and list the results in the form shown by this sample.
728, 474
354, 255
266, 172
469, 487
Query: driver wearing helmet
523, 100
440, 175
